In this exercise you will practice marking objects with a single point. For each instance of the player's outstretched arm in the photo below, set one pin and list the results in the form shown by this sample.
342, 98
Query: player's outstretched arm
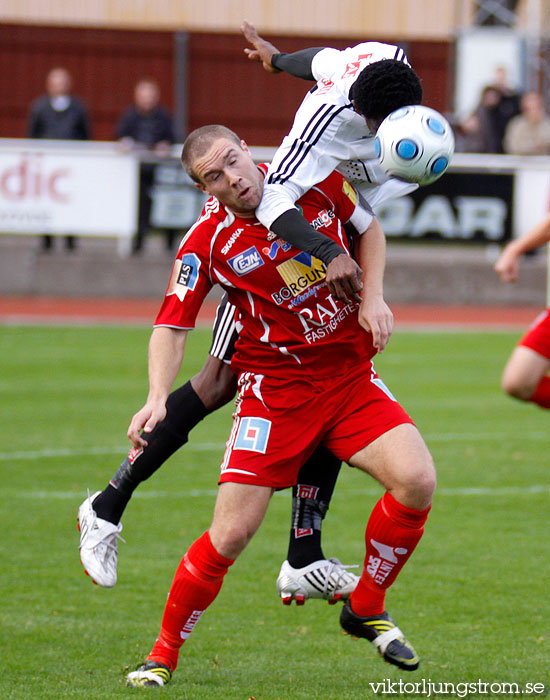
374, 314
263, 51
166, 349
297, 63
507, 265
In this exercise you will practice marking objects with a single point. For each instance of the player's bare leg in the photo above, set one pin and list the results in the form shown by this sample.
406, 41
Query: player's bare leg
239, 511
400, 461
525, 376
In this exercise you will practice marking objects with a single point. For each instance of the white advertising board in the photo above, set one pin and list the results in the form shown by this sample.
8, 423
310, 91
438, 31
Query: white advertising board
46, 188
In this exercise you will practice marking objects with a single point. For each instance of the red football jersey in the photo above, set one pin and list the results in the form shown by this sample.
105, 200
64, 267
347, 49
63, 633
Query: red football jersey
289, 325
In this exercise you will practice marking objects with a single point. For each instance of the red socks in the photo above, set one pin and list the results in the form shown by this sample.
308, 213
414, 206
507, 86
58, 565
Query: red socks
393, 531
541, 395
196, 584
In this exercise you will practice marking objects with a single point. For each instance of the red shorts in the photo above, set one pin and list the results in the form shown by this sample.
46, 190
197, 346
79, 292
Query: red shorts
278, 423
537, 337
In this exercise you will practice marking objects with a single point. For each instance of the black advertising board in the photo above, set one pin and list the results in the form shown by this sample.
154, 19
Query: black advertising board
469, 207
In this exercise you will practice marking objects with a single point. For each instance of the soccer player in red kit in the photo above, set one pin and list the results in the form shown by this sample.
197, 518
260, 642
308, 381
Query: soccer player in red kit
333, 129
306, 377
525, 376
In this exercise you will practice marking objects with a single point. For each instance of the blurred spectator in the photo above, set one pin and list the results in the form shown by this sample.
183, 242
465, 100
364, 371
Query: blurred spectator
58, 115
528, 134
483, 130
468, 137
510, 99
146, 125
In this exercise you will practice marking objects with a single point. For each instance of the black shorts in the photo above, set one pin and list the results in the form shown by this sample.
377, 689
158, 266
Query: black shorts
225, 332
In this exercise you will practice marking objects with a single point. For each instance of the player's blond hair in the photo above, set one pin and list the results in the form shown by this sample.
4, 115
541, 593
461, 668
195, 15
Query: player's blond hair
199, 141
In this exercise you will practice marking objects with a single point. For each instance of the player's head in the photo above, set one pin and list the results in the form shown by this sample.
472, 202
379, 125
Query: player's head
221, 165
382, 87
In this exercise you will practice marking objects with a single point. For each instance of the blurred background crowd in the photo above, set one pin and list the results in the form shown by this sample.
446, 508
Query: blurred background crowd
142, 75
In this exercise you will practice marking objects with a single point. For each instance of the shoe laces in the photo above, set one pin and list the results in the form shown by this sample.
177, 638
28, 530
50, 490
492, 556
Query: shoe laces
108, 544
340, 573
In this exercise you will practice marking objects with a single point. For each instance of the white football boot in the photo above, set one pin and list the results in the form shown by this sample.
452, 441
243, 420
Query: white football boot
326, 578
98, 544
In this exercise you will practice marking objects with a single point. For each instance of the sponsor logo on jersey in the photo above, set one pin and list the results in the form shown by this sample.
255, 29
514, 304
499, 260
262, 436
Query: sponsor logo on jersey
252, 434
299, 273
226, 248
353, 66
323, 218
189, 271
185, 274
323, 320
326, 86
245, 262
272, 250
350, 192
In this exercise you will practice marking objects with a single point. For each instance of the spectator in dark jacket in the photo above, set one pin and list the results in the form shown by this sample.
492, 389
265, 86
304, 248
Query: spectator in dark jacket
146, 125
58, 115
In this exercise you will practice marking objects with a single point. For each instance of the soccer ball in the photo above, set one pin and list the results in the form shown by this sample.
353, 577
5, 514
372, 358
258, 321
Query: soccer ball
415, 144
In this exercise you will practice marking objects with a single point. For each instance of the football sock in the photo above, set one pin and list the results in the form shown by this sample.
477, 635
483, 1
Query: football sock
541, 395
184, 410
310, 501
196, 584
392, 533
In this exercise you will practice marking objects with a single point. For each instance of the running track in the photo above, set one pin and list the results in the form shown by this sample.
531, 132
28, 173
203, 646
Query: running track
47, 310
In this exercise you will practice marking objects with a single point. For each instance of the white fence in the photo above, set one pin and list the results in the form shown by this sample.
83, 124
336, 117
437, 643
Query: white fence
92, 189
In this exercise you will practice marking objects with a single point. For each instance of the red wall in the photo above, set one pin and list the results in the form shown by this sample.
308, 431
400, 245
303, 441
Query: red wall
224, 87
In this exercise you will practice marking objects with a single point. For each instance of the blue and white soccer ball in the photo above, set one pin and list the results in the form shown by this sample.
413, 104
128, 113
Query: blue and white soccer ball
415, 144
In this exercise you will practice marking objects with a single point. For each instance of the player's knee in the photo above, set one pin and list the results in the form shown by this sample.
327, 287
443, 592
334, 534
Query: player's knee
215, 384
416, 484
516, 388
232, 540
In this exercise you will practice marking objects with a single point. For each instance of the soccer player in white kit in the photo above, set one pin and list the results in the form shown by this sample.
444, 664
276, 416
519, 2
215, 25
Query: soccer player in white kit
333, 129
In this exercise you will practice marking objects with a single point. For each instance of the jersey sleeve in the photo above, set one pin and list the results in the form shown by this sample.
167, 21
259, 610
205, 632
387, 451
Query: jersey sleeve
188, 286
350, 206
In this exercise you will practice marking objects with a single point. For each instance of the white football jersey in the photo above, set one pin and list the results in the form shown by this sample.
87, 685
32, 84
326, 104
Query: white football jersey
328, 135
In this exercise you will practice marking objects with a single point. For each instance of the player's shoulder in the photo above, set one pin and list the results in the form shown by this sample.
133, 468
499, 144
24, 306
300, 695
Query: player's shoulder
336, 188
211, 216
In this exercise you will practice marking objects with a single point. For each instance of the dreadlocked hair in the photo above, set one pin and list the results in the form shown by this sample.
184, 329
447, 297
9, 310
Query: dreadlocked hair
384, 86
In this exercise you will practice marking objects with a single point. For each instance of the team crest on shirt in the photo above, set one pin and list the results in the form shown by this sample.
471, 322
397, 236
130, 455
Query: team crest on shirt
273, 250
185, 274
245, 262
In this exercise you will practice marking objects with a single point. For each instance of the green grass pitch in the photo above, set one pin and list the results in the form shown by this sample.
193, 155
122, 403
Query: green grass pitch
473, 599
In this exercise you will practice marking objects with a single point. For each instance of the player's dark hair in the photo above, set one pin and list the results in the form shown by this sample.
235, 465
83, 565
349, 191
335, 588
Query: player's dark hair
199, 141
384, 86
